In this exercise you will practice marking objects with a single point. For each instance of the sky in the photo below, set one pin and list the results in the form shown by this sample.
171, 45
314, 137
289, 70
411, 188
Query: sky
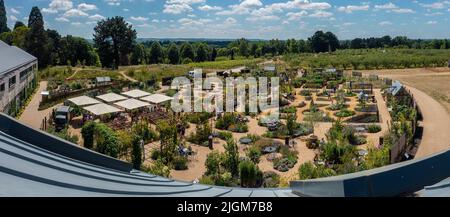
253, 19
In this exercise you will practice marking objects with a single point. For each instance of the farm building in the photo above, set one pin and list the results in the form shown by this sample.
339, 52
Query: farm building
17, 77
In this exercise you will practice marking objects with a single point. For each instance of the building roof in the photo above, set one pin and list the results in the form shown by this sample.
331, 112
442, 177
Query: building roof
83, 101
157, 98
269, 68
111, 97
136, 93
101, 109
103, 79
12, 57
395, 88
131, 104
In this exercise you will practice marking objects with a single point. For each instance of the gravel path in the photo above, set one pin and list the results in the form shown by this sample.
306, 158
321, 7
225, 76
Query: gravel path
32, 116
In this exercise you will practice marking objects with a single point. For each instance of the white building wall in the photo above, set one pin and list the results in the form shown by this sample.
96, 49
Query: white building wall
7, 96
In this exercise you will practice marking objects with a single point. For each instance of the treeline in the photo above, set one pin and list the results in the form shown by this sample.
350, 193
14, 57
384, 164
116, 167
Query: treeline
47, 45
115, 44
397, 42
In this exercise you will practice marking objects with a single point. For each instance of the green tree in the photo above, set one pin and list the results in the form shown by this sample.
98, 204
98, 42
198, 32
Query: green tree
136, 157
106, 140
173, 54
324, 42
54, 40
213, 54
187, 52
75, 49
114, 39
168, 138
138, 56
37, 40
18, 24
232, 157
19, 36
87, 132
202, 53
3, 19
243, 47
156, 53
249, 174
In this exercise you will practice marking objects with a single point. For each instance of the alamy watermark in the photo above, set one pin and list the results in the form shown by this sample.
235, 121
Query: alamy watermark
239, 94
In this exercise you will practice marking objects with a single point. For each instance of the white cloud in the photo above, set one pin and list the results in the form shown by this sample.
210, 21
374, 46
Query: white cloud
387, 6
209, 8
321, 14
76, 24
403, 11
385, 23
141, 19
230, 21
113, 2
87, 7
13, 18
296, 15
14, 11
180, 6
58, 5
75, 13
62, 19
351, 8
432, 22
97, 17
436, 5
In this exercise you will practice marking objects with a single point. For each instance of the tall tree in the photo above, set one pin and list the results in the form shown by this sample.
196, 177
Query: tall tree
18, 24
37, 40
138, 56
324, 42
243, 47
114, 38
187, 52
213, 54
202, 53
137, 153
173, 54
54, 39
3, 19
156, 53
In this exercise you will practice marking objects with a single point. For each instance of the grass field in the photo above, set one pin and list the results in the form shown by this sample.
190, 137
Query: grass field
372, 59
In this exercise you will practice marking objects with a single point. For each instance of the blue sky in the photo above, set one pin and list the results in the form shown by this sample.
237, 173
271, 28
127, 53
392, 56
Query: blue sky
256, 19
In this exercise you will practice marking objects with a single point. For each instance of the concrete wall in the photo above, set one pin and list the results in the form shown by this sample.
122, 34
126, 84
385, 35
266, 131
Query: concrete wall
59, 146
9, 95
392, 180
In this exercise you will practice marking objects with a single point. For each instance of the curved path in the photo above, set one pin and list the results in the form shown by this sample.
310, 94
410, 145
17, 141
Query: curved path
436, 122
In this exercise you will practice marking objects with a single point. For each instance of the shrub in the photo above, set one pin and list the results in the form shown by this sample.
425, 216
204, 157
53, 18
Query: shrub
345, 113
87, 132
254, 153
158, 168
225, 136
106, 140
180, 163
310, 171
374, 128
249, 174
137, 153
271, 180
283, 164
207, 180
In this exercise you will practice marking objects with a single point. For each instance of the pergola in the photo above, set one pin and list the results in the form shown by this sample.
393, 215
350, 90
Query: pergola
101, 109
131, 104
157, 99
112, 97
83, 101
136, 93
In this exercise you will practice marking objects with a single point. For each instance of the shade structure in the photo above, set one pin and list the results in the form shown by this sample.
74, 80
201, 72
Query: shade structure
136, 93
101, 109
84, 101
131, 104
112, 97
157, 99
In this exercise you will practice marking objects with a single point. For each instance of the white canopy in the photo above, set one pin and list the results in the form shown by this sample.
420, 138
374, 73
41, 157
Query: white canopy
83, 101
136, 93
157, 98
131, 104
102, 109
112, 97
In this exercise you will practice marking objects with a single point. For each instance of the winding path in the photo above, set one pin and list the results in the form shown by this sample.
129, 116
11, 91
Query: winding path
436, 123
436, 120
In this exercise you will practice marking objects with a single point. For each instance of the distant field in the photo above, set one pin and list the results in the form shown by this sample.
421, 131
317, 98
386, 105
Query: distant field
372, 59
